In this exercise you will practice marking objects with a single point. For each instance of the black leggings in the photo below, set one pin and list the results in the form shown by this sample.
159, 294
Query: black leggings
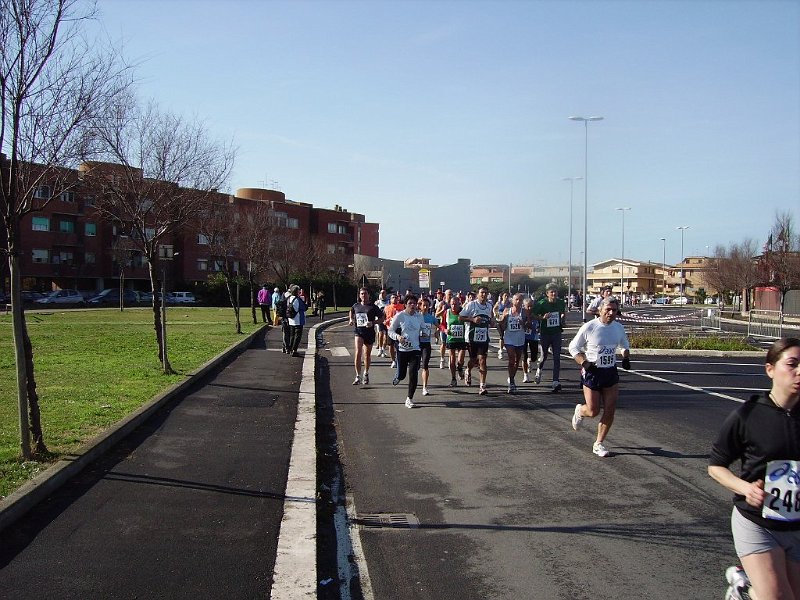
408, 362
426, 354
534, 346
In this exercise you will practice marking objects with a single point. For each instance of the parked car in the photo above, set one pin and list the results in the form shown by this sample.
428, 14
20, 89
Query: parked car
144, 297
110, 297
29, 297
62, 298
662, 300
683, 300
181, 298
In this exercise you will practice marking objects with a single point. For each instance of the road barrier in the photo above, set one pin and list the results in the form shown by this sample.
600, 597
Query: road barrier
765, 323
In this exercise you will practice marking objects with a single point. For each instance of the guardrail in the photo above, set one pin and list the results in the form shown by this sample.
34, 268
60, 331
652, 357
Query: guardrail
765, 323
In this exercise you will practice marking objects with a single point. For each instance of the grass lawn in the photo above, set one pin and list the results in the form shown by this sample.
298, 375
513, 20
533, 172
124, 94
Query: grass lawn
94, 367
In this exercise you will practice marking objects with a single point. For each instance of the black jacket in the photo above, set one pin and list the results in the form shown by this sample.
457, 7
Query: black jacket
757, 432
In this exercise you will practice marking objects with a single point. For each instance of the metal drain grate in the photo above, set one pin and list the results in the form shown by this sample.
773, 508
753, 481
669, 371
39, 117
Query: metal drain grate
388, 521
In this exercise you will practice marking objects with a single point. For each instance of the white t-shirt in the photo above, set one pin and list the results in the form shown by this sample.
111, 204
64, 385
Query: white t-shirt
599, 342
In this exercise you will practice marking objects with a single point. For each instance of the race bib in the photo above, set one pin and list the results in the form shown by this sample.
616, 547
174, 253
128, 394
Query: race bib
782, 483
514, 323
361, 320
456, 331
606, 357
553, 319
425, 331
480, 335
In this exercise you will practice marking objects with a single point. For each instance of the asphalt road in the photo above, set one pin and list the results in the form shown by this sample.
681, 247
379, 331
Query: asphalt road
510, 501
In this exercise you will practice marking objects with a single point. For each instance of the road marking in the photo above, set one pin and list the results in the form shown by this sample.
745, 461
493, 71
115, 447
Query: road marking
722, 373
739, 389
688, 387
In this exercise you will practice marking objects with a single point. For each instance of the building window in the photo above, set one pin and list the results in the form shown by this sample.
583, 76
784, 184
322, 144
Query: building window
64, 257
66, 226
202, 239
90, 229
89, 258
41, 224
219, 265
331, 227
42, 192
88, 201
41, 256
202, 264
149, 233
67, 196
331, 248
292, 223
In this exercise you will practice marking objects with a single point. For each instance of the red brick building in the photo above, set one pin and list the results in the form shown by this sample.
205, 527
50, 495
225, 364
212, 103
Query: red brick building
67, 245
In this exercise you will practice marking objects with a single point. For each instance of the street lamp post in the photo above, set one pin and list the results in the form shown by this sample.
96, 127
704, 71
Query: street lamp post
585, 121
622, 260
682, 228
572, 181
664, 267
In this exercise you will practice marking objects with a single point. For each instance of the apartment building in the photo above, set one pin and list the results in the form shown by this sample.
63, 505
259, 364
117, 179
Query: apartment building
66, 244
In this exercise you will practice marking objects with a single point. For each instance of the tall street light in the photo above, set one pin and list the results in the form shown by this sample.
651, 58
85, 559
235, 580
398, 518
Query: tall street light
622, 260
682, 228
664, 267
572, 181
585, 121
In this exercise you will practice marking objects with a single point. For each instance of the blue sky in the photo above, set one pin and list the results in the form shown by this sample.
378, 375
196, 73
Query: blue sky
446, 122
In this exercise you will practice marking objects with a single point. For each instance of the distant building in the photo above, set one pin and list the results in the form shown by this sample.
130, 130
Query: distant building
414, 273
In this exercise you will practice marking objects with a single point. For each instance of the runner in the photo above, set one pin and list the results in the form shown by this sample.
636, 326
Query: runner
594, 349
502, 303
442, 307
764, 434
425, 341
594, 307
514, 320
405, 330
364, 315
530, 351
381, 301
551, 312
477, 315
456, 344
395, 306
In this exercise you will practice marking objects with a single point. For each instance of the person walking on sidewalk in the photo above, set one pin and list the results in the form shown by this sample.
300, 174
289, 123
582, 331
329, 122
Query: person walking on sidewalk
594, 348
296, 318
477, 315
763, 435
265, 302
405, 329
275, 300
364, 315
551, 312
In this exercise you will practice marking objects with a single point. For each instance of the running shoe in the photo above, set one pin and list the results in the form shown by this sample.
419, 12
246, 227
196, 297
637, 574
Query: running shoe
394, 364
469, 378
577, 417
460, 371
365, 378
395, 381
599, 449
453, 383
441, 363
739, 588
525, 378
500, 354
538, 377
425, 392
482, 390
357, 380
409, 403
556, 386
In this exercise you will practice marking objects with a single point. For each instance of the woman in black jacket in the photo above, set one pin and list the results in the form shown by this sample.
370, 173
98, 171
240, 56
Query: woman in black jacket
764, 434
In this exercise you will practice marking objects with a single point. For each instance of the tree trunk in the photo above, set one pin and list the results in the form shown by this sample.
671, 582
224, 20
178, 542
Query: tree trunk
234, 303
253, 299
35, 415
157, 324
18, 324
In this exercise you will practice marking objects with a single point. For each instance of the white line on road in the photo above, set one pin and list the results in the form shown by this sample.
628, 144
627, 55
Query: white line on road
687, 386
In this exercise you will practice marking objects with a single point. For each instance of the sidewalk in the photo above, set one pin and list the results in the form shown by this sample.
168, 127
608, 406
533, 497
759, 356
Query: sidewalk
187, 497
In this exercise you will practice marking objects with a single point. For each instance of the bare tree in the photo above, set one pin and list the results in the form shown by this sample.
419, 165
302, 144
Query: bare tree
734, 270
257, 230
122, 252
779, 266
53, 82
161, 171
219, 223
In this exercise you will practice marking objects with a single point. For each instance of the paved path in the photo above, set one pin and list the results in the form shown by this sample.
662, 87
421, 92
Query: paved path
188, 506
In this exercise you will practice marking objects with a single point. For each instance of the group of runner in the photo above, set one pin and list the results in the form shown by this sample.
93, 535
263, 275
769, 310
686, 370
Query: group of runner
763, 434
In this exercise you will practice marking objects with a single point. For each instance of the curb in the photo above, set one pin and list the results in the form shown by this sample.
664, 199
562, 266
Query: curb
22, 500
